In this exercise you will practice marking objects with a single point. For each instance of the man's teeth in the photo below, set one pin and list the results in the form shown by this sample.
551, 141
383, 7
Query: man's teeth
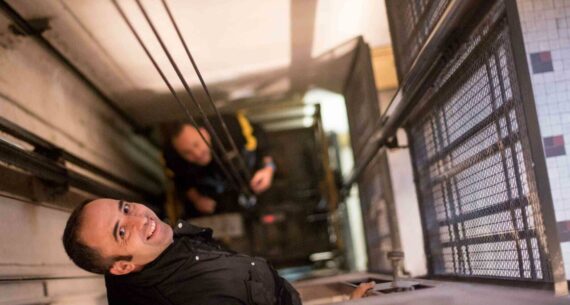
152, 228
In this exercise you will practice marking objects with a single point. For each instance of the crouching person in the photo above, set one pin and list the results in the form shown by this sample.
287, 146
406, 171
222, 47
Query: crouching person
145, 261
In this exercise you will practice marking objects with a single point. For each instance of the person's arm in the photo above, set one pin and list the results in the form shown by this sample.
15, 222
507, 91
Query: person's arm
361, 290
203, 204
263, 177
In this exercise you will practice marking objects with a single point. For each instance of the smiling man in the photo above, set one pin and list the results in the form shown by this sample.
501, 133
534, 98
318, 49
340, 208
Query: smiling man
147, 262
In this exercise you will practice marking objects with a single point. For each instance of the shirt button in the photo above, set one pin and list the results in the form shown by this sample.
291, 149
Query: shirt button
179, 225
252, 263
197, 258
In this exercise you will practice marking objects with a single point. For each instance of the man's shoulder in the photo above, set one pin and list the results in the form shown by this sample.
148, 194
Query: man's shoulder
186, 228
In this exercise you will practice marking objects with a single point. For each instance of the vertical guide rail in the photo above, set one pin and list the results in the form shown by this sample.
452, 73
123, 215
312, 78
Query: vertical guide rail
535, 143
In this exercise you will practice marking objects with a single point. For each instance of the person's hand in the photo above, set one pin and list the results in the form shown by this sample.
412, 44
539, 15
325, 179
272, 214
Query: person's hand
361, 290
261, 180
205, 205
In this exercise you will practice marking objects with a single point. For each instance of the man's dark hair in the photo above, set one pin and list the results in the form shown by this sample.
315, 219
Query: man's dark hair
83, 256
173, 129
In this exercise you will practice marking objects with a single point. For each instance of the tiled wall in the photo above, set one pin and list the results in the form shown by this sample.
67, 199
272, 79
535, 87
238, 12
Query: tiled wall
546, 31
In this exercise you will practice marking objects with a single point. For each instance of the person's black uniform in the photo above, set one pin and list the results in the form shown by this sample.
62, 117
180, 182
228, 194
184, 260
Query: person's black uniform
196, 270
210, 180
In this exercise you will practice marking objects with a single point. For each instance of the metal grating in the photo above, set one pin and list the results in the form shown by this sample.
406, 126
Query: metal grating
412, 22
373, 185
481, 213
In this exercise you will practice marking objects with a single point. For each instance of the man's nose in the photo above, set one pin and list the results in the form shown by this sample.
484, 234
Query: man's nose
137, 220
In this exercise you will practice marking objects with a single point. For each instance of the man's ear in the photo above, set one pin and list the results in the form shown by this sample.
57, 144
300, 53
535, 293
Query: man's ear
122, 267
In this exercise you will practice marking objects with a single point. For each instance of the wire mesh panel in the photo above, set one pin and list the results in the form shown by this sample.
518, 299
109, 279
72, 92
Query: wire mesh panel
374, 189
411, 23
472, 158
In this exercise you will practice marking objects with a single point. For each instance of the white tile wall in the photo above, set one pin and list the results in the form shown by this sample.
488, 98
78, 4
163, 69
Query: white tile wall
546, 27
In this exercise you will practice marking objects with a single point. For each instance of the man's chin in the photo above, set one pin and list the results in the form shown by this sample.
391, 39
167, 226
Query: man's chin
204, 161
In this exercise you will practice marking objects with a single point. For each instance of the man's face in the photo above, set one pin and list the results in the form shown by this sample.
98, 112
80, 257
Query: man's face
192, 147
120, 228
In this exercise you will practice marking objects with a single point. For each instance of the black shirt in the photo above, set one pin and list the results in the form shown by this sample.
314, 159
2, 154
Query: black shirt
196, 270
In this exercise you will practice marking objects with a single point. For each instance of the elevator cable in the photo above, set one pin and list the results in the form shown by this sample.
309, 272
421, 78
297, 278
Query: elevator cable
235, 174
209, 126
222, 122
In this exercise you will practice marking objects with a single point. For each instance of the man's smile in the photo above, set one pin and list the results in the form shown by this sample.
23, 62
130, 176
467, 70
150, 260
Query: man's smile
151, 229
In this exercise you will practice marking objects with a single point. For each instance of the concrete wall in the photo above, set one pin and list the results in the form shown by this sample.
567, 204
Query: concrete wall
407, 208
41, 94
31, 249
405, 199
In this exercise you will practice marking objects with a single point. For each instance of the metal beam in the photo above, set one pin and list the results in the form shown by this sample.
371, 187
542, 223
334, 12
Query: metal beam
57, 175
50, 153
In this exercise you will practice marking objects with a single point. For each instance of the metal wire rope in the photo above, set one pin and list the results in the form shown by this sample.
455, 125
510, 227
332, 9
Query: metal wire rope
224, 126
173, 92
243, 184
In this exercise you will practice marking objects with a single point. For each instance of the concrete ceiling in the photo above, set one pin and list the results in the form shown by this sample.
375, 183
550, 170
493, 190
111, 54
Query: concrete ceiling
244, 49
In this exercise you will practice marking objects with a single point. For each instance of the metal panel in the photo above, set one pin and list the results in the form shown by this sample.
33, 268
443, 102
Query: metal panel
379, 217
481, 213
411, 22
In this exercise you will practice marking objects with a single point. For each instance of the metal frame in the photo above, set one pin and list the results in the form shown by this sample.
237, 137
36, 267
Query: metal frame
396, 39
426, 62
429, 59
494, 148
537, 152
51, 151
47, 162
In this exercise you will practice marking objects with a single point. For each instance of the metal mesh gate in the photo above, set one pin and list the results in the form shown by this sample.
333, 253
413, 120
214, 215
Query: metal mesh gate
471, 154
376, 200
412, 21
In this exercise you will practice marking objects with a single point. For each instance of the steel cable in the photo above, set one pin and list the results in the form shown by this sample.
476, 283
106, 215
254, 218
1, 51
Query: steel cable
243, 184
224, 126
232, 179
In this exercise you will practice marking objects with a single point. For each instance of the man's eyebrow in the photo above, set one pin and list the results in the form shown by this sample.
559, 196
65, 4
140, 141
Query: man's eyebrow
116, 227
115, 231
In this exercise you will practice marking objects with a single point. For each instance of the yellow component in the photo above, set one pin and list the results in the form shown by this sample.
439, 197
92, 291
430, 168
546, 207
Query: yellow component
172, 205
247, 131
